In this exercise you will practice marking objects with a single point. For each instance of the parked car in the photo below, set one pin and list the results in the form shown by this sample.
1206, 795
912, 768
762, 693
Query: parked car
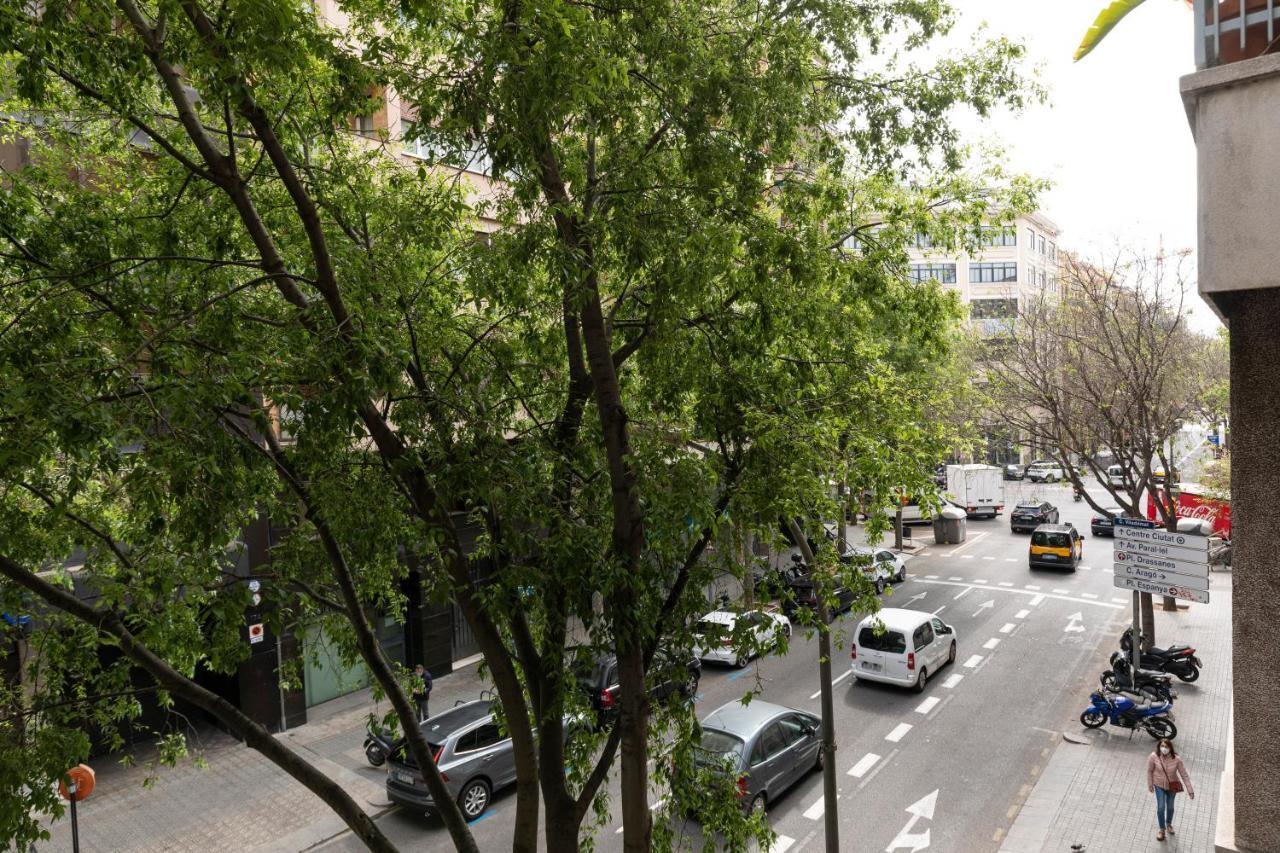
671, 675
474, 756
1103, 523
1055, 546
903, 647
885, 567
1030, 515
716, 629
767, 747
1014, 472
1044, 472
801, 594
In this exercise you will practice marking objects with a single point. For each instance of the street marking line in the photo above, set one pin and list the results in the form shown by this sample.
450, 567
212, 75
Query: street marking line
963, 593
992, 643
988, 558
952, 680
1006, 583
864, 764
879, 767
973, 661
1021, 614
848, 672
927, 705
939, 610
932, 577
1032, 586
1088, 595
981, 580
1008, 627
966, 556
1010, 560
898, 733
1108, 571
1059, 591
1038, 597
972, 540
782, 844
955, 579
815, 811
1120, 600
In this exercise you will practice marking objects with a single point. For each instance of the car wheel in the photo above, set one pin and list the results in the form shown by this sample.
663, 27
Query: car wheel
819, 759
474, 799
951, 656
922, 679
786, 631
879, 586
691, 684
902, 574
739, 661
758, 804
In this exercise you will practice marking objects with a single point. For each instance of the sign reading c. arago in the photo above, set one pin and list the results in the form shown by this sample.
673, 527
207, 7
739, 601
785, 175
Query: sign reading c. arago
1174, 590
1147, 573
1161, 537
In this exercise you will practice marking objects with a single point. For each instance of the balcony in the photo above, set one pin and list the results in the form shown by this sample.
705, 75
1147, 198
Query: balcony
1232, 30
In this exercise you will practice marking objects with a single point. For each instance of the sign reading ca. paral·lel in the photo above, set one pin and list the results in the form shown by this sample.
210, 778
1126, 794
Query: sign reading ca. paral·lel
1173, 590
1146, 573
1195, 568
1189, 541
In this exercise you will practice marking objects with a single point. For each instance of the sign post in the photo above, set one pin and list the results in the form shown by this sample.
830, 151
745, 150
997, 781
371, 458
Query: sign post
1135, 632
75, 786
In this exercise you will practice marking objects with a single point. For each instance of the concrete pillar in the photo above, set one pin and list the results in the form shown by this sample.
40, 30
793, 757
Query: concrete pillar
1254, 318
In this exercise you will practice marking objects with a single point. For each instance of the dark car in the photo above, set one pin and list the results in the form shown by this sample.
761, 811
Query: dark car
1014, 472
669, 675
1030, 515
800, 587
1104, 523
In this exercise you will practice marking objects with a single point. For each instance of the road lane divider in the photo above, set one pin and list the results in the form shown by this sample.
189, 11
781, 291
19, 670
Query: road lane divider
992, 643
973, 661
1021, 614
952, 681
864, 764
899, 732
882, 765
839, 678
927, 705
1037, 597
1007, 628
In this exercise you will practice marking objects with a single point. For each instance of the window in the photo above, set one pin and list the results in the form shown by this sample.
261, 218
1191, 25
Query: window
945, 273
1040, 244
993, 309
1053, 251
990, 272
771, 742
412, 146
922, 241
922, 636
481, 738
471, 159
1031, 240
996, 235
365, 126
890, 641
938, 626
795, 728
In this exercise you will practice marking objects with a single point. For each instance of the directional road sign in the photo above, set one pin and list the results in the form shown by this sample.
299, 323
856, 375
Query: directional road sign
1174, 590
1196, 568
1159, 549
1138, 523
1161, 537
1145, 573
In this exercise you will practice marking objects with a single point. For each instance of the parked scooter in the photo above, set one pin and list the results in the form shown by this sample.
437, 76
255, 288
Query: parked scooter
1154, 684
1175, 660
1077, 494
1119, 710
377, 745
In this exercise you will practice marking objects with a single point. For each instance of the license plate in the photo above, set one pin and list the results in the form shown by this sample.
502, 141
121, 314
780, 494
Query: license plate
406, 778
874, 667
1048, 556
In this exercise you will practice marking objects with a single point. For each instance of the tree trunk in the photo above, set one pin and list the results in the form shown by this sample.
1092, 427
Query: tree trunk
1148, 618
897, 529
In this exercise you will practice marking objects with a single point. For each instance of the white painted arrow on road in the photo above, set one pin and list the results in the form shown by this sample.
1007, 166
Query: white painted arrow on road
916, 597
1074, 625
983, 606
915, 841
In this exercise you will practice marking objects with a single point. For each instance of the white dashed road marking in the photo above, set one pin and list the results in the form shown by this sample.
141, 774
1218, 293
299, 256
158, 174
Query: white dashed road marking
815, 811
992, 643
783, 844
1008, 627
1062, 592
1032, 586
952, 681
1036, 600
1010, 560
1005, 583
1120, 600
927, 705
939, 610
864, 764
1038, 597
955, 579
932, 577
898, 733
966, 556
973, 661
1088, 595
988, 558
1021, 614
848, 672
981, 580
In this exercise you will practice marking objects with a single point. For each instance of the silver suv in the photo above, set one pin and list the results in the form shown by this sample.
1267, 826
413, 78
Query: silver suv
474, 756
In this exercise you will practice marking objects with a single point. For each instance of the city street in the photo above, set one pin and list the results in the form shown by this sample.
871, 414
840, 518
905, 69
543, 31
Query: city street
959, 759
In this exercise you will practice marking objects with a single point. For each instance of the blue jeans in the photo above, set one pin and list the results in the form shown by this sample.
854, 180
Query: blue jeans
1164, 807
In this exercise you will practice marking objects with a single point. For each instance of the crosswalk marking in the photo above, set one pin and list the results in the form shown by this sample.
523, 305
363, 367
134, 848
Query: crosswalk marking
1035, 600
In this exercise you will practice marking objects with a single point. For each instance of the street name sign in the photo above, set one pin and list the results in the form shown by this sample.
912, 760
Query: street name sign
1159, 549
1138, 523
1146, 573
1160, 537
1199, 569
1173, 590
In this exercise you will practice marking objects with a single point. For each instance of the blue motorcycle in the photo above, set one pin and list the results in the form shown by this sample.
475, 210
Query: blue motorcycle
1121, 711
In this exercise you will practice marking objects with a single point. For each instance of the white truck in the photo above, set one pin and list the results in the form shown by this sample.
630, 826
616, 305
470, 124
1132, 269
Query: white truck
977, 489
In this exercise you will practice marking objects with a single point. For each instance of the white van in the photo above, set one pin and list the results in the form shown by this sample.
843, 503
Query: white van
903, 647
1115, 475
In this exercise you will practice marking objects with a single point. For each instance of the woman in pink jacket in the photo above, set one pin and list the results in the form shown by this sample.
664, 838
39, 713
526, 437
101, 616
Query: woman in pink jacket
1166, 775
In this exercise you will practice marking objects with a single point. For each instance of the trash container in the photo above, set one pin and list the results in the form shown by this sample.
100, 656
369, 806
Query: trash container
949, 526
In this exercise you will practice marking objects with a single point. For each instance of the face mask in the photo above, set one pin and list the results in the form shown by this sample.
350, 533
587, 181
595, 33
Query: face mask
1164, 750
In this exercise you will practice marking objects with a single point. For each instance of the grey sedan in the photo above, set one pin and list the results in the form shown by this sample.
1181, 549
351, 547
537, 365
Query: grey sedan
770, 747
474, 756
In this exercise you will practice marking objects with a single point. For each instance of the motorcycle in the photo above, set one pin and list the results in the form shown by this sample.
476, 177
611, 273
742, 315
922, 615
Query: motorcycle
1076, 494
1120, 711
1175, 660
377, 745
1156, 684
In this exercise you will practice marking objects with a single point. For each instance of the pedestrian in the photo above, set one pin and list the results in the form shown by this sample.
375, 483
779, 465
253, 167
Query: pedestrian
421, 690
1166, 776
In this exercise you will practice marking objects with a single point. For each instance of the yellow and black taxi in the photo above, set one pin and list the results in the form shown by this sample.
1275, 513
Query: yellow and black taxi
1056, 546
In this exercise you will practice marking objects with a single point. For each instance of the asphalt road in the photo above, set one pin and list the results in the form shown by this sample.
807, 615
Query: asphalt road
945, 770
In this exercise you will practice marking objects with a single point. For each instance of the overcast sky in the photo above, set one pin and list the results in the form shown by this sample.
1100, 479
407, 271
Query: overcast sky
1113, 138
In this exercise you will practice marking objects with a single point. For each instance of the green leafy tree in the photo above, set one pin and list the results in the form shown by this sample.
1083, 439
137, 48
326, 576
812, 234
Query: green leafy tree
222, 305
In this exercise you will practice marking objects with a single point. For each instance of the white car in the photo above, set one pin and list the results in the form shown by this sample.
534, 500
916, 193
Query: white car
718, 627
1045, 472
903, 647
886, 567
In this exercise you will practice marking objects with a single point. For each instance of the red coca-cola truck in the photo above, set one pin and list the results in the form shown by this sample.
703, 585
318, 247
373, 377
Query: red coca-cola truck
1194, 501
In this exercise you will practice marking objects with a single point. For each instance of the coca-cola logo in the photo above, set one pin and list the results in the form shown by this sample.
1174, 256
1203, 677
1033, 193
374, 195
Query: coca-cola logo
1204, 512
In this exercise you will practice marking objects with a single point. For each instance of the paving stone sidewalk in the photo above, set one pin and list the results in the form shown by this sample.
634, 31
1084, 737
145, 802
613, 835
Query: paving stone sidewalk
241, 801
1095, 794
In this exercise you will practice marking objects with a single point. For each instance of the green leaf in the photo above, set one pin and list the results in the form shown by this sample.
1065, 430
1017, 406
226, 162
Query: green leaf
1103, 24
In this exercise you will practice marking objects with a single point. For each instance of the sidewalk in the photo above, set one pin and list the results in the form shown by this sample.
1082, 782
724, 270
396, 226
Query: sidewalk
241, 801
1095, 794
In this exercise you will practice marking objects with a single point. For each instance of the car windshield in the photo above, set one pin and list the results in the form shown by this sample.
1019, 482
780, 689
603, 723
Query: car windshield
1028, 507
890, 641
716, 745
1050, 540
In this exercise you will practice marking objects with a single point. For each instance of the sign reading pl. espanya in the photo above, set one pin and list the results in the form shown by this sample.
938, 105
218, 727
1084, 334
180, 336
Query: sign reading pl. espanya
1173, 590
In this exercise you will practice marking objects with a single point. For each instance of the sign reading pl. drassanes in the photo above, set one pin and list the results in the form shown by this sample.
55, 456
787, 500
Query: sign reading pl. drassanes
1160, 537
